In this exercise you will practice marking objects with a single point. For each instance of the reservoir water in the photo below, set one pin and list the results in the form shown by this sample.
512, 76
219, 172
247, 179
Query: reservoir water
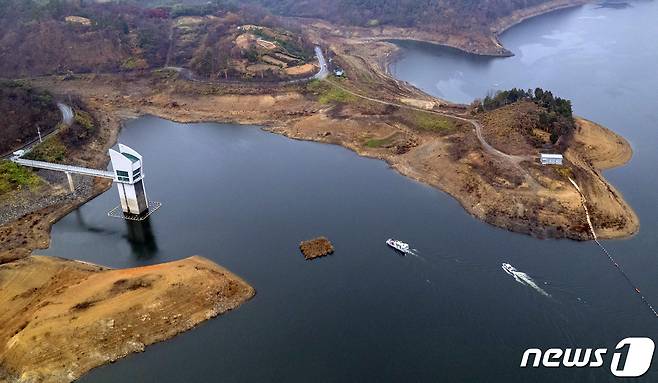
245, 198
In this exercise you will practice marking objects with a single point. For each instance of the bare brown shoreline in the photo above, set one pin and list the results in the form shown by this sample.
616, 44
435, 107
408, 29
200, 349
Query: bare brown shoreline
589, 160
287, 112
478, 45
62, 318
505, 25
520, 16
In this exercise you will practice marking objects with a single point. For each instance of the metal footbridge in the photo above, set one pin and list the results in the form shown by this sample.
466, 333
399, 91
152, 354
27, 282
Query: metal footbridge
128, 173
68, 169
64, 168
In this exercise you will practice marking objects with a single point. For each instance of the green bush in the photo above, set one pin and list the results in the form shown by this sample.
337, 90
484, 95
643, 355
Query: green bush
378, 143
433, 122
564, 171
84, 119
51, 150
130, 63
336, 95
329, 94
14, 176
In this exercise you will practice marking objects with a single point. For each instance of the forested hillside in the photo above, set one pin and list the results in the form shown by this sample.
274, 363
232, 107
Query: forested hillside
553, 115
43, 37
40, 37
23, 109
53, 36
426, 14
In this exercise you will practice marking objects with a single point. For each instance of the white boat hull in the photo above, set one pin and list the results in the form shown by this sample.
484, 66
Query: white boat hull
399, 246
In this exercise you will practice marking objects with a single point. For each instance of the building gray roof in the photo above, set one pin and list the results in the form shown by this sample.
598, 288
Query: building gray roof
547, 155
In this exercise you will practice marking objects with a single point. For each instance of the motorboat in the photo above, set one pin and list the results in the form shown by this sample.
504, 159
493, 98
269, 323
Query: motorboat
509, 269
399, 245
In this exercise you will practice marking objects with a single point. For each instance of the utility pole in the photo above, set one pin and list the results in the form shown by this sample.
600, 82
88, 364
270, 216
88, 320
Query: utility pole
39, 131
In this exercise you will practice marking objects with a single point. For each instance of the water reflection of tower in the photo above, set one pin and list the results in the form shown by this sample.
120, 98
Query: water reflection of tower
141, 238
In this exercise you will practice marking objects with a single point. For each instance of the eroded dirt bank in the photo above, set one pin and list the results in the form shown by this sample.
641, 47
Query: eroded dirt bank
61, 318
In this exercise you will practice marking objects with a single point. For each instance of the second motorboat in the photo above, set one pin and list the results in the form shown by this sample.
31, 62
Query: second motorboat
399, 246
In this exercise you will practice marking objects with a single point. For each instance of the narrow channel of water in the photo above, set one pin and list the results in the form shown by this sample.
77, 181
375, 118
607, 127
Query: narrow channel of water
245, 198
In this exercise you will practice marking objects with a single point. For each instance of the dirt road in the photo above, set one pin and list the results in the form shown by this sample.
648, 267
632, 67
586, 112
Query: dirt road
513, 160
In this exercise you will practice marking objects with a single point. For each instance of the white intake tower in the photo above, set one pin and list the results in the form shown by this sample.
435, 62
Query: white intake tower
129, 177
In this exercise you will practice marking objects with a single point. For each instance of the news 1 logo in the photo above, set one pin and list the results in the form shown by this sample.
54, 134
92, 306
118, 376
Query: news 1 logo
631, 359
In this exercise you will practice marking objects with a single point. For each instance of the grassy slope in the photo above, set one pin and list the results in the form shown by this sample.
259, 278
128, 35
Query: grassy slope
13, 177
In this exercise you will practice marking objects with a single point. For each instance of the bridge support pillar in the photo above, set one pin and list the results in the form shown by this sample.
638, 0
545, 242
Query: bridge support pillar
70, 179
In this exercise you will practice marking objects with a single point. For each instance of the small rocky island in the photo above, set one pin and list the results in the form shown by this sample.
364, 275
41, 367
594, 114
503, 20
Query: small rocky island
317, 247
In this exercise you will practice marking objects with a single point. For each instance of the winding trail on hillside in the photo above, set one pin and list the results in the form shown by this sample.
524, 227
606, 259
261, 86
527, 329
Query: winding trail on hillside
516, 159
513, 160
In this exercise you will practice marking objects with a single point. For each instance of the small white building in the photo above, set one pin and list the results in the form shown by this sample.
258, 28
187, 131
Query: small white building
129, 177
551, 159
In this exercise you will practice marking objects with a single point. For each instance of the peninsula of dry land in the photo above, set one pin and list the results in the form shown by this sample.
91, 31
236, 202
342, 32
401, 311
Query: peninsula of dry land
61, 318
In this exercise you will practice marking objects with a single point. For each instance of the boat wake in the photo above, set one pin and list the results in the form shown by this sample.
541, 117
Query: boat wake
523, 278
416, 254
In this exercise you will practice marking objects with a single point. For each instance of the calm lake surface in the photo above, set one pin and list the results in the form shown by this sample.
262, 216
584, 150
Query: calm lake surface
245, 198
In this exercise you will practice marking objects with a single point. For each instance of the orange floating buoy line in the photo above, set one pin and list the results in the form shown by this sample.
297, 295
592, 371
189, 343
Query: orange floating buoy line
623, 273
583, 200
